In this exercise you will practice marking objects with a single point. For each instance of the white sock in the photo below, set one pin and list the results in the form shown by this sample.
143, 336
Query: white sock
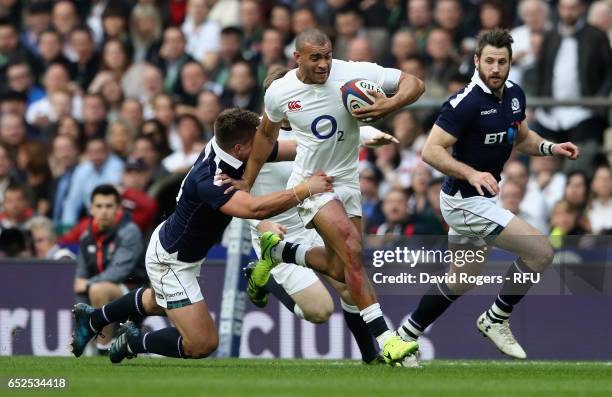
298, 311
349, 308
103, 346
408, 327
300, 252
300, 255
277, 250
373, 313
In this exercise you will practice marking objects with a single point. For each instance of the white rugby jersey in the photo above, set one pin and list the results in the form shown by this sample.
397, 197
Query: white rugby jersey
327, 134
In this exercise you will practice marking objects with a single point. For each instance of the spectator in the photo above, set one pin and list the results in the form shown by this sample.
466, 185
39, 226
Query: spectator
600, 16
303, 18
136, 180
16, 210
171, 57
64, 18
37, 17
492, 14
349, 25
33, 161
406, 129
145, 29
202, 33
419, 21
360, 50
546, 177
600, 209
86, 60
225, 12
443, 65
115, 58
403, 46
533, 207
41, 113
100, 167
190, 133
157, 132
64, 157
369, 180
12, 132
115, 22
449, 15
280, 20
209, 107
193, 81
395, 209
132, 113
230, 52
271, 53
145, 149
116, 263
50, 49
576, 61
13, 102
577, 190
95, 111
564, 221
6, 169
120, 138
11, 50
20, 79
252, 27
44, 240
242, 91
535, 15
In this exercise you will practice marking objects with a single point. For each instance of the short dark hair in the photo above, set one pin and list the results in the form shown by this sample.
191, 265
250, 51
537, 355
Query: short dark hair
18, 187
234, 126
106, 190
311, 36
192, 118
498, 38
231, 31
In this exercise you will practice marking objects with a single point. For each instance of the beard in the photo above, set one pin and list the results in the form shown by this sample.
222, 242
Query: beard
493, 84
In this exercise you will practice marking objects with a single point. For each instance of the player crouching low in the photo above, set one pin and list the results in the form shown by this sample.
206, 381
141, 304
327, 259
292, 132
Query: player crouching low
179, 245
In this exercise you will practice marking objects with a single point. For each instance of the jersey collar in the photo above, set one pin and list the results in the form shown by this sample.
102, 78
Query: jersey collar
224, 156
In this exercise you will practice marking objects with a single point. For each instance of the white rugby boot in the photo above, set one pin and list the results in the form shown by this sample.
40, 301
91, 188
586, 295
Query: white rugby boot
501, 335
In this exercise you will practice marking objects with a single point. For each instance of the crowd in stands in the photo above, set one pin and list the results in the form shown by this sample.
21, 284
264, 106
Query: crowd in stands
126, 92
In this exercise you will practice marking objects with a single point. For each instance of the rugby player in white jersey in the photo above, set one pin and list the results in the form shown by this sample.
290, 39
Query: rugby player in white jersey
328, 140
298, 288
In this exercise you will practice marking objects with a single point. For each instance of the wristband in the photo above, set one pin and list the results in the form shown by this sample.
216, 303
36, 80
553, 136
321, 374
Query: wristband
546, 148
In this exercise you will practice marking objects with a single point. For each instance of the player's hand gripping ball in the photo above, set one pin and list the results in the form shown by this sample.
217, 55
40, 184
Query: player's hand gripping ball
356, 95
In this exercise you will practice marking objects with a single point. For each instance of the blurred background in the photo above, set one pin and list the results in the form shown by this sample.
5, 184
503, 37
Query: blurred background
126, 93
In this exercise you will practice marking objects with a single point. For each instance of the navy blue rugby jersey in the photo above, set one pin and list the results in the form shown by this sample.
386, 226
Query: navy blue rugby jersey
485, 128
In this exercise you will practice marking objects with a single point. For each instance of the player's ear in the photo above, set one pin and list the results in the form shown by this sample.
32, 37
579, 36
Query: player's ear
476, 61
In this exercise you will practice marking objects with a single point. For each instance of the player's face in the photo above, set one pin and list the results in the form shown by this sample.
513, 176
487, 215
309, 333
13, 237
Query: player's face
104, 209
493, 66
314, 63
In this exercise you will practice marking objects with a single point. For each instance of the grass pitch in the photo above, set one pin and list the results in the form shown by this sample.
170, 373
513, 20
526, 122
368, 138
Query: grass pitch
95, 376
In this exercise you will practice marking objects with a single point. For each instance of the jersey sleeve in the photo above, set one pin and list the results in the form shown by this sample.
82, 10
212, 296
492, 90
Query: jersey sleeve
272, 107
386, 78
522, 103
455, 119
212, 192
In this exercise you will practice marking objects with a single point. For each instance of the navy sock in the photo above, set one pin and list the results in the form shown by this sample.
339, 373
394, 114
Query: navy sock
362, 335
129, 306
435, 302
279, 292
511, 293
166, 342
289, 251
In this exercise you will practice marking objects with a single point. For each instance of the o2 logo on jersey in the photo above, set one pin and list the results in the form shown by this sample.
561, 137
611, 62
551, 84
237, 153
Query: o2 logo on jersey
321, 122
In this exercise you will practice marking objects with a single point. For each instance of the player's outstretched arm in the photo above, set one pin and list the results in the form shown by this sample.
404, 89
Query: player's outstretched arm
529, 142
436, 153
264, 141
243, 205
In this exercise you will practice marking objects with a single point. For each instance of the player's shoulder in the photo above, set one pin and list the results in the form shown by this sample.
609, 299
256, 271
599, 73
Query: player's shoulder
287, 82
464, 99
514, 89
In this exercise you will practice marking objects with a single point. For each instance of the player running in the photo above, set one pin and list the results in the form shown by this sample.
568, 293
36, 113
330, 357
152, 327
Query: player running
328, 139
298, 288
179, 245
482, 123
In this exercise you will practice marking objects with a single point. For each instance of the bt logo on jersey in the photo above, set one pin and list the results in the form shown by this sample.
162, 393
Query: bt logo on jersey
495, 137
294, 106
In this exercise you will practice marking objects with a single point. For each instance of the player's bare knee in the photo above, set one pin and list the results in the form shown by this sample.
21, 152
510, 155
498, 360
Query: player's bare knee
98, 294
320, 313
201, 347
540, 260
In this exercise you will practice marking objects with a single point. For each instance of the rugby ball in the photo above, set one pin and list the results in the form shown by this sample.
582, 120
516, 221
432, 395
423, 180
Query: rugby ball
355, 94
